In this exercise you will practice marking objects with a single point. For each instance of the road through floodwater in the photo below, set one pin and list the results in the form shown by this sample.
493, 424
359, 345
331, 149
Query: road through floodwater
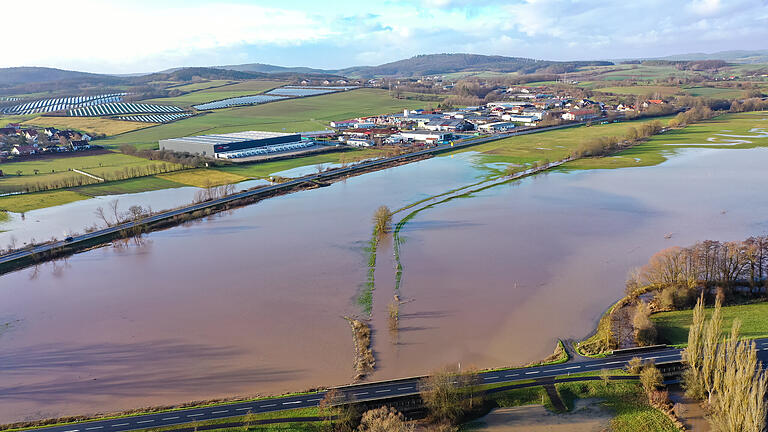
251, 301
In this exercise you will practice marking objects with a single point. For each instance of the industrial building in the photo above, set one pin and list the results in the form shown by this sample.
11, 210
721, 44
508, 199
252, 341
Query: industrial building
236, 145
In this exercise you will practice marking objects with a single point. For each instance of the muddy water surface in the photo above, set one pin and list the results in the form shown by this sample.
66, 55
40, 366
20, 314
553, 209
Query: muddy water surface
252, 301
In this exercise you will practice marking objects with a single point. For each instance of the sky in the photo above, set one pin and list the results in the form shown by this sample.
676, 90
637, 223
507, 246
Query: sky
132, 36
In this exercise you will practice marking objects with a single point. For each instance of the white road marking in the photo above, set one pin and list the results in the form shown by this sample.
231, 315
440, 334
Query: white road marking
145, 421
270, 405
490, 377
291, 403
219, 412
573, 367
534, 372
510, 375
193, 415
170, 418
616, 362
359, 394
242, 409
95, 427
405, 388
120, 424
314, 400
73, 430
382, 391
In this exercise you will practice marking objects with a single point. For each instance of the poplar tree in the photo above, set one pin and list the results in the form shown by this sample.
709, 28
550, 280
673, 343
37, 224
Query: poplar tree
692, 355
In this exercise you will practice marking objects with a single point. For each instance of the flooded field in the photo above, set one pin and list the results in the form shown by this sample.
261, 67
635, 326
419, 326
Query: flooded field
253, 301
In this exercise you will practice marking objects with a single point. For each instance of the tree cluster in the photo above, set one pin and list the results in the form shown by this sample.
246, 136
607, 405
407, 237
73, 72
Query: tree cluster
187, 160
599, 146
726, 373
679, 273
449, 395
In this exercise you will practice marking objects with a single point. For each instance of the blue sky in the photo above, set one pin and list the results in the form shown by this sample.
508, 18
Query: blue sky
143, 35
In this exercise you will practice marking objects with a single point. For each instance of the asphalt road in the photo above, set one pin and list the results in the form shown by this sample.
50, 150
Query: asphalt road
25, 253
369, 391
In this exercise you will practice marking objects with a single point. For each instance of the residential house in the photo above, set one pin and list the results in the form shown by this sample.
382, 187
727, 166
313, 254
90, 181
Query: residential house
80, 144
580, 115
23, 150
30, 134
8, 131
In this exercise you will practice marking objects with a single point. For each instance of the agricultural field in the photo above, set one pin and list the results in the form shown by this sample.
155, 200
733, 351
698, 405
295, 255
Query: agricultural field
642, 72
663, 91
673, 326
714, 92
52, 170
552, 145
709, 134
203, 95
134, 185
199, 85
202, 177
292, 115
91, 125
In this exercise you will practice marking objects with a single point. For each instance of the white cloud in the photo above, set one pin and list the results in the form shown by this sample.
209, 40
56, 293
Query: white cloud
125, 32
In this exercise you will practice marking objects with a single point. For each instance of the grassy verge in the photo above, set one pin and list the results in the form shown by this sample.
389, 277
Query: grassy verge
658, 148
60, 422
673, 326
4, 217
294, 413
26, 202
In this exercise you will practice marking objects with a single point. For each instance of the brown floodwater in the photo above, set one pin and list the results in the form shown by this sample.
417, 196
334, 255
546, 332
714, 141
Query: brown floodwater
252, 301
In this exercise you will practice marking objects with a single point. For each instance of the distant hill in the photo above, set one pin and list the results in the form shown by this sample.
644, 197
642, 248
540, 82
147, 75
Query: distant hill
271, 69
431, 64
735, 56
25, 75
435, 64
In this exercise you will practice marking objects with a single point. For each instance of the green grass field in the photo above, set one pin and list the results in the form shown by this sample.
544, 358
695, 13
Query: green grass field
673, 326
294, 115
658, 148
552, 145
713, 92
134, 185
650, 90
26, 202
56, 169
202, 177
244, 88
199, 85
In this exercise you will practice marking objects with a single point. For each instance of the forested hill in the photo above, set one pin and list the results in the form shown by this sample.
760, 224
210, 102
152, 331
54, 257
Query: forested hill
434, 64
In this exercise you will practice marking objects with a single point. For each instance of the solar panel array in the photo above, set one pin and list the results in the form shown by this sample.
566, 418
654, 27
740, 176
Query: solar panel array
60, 104
237, 101
121, 108
155, 118
300, 92
9, 99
